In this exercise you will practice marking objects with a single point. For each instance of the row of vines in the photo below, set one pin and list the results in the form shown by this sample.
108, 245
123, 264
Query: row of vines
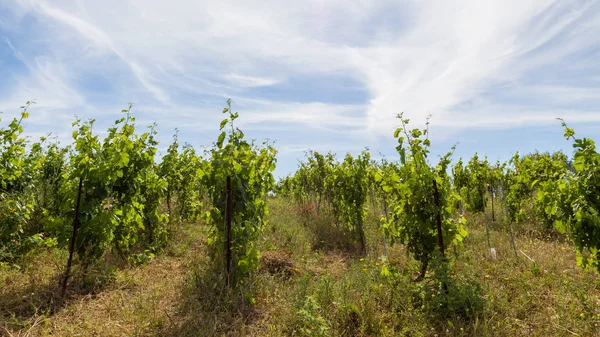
112, 196
422, 203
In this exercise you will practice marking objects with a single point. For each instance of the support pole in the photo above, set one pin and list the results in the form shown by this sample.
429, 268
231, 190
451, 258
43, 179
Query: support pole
228, 215
73, 238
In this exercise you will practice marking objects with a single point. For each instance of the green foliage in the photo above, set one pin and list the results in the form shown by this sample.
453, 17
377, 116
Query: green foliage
168, 170
448, 298
310, 181
130, 157
284, 187
121, 192
155, 234
471, 182
250, 168
383, 169
572, 202
16, 189
47, 163
190, 172
530, 171
183, 173
342, 188
348, 184
310, 321
414, 209
319, 170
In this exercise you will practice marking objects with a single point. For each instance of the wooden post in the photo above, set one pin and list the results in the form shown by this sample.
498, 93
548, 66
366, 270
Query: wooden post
169, 206
373, 201
319, 197
73, 238
440, 236
384, 212
361, 233
512, 238
228, 215
487, 229
438, 218
493, 214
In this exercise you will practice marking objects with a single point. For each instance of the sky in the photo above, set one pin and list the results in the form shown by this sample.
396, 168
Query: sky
321, 75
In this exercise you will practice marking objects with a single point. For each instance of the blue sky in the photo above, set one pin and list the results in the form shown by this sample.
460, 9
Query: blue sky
321, 75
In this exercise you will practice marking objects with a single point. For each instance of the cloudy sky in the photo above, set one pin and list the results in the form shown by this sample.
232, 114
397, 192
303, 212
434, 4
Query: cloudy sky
322, 75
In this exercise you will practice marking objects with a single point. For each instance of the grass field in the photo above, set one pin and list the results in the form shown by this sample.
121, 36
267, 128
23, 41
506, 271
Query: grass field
311, 283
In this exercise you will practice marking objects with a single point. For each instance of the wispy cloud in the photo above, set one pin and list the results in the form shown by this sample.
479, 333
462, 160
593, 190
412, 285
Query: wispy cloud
471, 64
250, 81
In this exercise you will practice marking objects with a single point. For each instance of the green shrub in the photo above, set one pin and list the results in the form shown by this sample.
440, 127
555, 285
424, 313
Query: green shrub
309, 319
450, 298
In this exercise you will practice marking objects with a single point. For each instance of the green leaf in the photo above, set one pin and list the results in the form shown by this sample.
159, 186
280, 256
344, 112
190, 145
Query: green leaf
581, 260
560, 226
385, 271
223, 123
221, 139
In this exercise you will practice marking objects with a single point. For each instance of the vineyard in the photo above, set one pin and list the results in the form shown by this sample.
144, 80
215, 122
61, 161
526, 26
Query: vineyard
107, 237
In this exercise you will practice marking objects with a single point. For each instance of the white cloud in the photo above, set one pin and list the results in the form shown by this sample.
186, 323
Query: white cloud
250, 81
454, 53
469, 63
330, 117
48, 84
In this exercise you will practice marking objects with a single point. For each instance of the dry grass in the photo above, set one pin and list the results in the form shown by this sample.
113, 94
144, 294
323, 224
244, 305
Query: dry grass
540, 292
277, 263
136, 301
299, 289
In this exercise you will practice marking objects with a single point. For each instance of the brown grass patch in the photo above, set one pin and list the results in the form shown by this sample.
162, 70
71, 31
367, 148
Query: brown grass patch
278, 262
